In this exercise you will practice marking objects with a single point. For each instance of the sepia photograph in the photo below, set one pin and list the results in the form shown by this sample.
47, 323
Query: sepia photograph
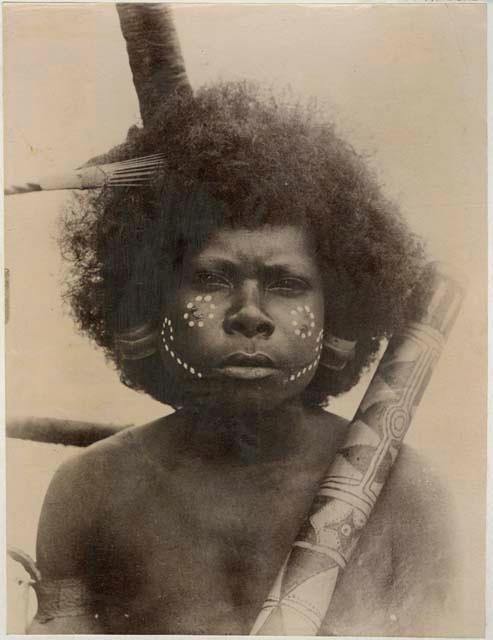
246, 318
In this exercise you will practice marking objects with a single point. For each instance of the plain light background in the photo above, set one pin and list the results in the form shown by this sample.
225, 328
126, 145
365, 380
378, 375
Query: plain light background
406, 84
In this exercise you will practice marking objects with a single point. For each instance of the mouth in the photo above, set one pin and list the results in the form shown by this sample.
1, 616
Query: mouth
245, 366
241, 359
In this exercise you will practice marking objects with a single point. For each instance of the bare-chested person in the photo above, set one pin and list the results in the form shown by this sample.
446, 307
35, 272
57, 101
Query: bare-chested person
255, 280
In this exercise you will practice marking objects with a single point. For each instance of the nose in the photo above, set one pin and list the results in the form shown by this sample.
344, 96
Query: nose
246, 315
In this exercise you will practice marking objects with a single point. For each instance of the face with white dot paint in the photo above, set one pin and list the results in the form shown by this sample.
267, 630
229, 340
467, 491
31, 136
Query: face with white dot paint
245, 323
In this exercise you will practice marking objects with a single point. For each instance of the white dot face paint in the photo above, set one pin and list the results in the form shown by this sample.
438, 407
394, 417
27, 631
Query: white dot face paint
167, 337
303, 322
199, 311
298, 374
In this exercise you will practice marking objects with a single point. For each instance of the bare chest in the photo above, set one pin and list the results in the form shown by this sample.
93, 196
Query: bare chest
200, 556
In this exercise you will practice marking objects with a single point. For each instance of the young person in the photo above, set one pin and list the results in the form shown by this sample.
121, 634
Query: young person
250, 284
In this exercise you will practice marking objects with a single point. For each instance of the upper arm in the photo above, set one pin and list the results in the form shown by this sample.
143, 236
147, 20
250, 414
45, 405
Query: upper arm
421, 522
67, 521
66, 530
423, 550
66, 625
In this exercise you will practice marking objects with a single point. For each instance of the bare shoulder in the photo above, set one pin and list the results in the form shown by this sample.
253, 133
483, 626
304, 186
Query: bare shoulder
418, 493
328, 422
80, 496
333, 420
420, 508
70, 511
415, 511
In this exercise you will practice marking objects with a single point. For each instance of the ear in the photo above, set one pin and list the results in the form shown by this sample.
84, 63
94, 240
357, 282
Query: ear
136, 343
336, 352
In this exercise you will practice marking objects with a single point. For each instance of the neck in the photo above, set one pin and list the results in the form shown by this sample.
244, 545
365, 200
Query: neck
249, 436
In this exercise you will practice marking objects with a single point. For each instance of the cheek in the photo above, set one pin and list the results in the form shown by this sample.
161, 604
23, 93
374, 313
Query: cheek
198, 312
302, 325
301, 322
172, 353
196, 324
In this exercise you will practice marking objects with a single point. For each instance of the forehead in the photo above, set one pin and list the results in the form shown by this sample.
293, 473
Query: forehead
267, 245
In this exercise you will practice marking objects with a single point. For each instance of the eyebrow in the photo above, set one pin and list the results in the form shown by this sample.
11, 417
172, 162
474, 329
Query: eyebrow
282, 265
217, 262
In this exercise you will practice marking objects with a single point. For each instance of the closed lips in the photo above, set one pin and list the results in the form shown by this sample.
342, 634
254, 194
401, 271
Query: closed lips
248, 360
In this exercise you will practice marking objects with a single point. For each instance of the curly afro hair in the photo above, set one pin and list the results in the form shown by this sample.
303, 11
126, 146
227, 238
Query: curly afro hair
235, 157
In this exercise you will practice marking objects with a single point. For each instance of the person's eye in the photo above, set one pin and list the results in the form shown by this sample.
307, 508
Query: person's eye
289, 286
211, 281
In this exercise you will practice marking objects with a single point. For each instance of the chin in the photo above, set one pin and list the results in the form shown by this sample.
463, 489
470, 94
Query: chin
240, 396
